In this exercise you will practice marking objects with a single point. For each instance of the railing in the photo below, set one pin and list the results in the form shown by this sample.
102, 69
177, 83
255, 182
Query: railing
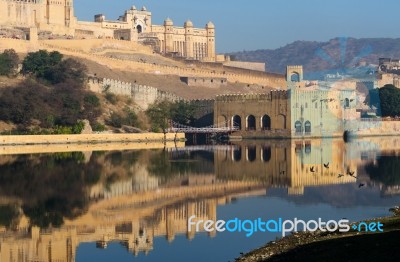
218, 128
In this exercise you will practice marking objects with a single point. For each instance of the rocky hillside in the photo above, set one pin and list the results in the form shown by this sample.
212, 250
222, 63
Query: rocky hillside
337, 53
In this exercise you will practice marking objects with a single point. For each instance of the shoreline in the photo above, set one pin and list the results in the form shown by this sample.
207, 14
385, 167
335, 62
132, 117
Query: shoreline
87, 147
323, 246
14, 140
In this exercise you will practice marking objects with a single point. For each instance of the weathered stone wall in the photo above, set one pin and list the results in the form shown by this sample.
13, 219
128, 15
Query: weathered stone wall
142, 95
115, 146
254, 112
204, 112
205, 82
247, 65
88, 138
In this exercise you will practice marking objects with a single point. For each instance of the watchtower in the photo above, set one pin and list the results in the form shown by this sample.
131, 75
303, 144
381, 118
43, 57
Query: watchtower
294, 73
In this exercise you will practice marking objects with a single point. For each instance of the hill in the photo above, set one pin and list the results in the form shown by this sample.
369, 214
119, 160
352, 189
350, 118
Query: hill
337, 53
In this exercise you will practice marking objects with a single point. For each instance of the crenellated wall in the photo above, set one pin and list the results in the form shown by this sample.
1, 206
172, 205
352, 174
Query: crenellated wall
142, 95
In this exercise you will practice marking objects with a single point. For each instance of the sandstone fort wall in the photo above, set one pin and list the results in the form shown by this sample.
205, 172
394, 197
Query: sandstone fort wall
142, 95
233, 75
88, 138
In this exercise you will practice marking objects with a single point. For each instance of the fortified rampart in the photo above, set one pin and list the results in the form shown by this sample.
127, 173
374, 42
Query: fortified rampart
207, 70
204, 81
141, 94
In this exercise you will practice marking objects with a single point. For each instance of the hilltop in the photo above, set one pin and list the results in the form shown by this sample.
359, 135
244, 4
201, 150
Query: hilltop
132, 62
321, 56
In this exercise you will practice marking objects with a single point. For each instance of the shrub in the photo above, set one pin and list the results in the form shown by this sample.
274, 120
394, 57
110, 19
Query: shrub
111, 98
9, 61
97, 127
92, 99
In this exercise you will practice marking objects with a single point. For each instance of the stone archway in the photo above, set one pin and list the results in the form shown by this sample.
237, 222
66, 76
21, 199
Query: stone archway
237, 122
251, 122
139, 29
295, 77
266, 122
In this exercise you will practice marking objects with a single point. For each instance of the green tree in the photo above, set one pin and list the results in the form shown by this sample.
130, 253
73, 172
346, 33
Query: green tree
66, 71
159, 115
40, 63
9, 61
389, 96
182, 112
131, 119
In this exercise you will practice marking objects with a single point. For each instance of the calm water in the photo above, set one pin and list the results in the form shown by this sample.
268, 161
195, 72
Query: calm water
133, 205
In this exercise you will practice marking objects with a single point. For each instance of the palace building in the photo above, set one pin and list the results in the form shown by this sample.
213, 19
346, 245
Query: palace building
57, 17
304, 110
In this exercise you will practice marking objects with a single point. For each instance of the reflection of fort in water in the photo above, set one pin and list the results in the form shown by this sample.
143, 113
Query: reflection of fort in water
137, 209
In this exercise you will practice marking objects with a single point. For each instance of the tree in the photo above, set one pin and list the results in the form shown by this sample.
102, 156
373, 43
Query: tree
159, 114
389, 96
39, 63
9, 61
66, 71
182, 112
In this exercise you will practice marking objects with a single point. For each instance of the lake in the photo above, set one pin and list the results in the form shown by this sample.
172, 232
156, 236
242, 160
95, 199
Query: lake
90, 204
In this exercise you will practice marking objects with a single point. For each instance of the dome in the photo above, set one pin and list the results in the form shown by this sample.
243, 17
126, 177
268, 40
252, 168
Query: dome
144, 8
133, 7
168, 21
188, 23
210, 25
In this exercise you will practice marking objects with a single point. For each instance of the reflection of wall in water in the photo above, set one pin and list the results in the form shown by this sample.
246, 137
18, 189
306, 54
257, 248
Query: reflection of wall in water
266, 162
136, 235
314, 154
286, 163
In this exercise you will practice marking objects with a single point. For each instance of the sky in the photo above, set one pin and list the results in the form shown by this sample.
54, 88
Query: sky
264, 24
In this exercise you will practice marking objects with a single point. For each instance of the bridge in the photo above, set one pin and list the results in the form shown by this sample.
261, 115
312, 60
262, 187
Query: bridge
213, 129
209, 148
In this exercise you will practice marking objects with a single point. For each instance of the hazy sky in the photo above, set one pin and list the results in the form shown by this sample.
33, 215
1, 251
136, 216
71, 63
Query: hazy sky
262, 24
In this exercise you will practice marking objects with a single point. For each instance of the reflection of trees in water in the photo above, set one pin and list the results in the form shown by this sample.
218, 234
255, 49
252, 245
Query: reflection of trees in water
168, 165
50, 186
386, 170
123, 159
7, 213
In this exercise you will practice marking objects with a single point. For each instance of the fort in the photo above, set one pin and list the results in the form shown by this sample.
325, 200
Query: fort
58, 18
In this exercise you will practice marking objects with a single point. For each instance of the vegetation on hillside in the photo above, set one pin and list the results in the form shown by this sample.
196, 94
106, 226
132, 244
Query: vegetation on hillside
52, 98
9, 61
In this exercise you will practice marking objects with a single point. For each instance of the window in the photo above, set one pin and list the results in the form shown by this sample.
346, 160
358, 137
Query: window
298, 126
307, 127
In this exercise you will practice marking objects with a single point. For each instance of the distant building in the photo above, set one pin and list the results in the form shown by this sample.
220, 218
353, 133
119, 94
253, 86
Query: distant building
388, 72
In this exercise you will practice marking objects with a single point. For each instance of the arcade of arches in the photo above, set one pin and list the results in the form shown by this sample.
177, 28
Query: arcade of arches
267, 113
253, 123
